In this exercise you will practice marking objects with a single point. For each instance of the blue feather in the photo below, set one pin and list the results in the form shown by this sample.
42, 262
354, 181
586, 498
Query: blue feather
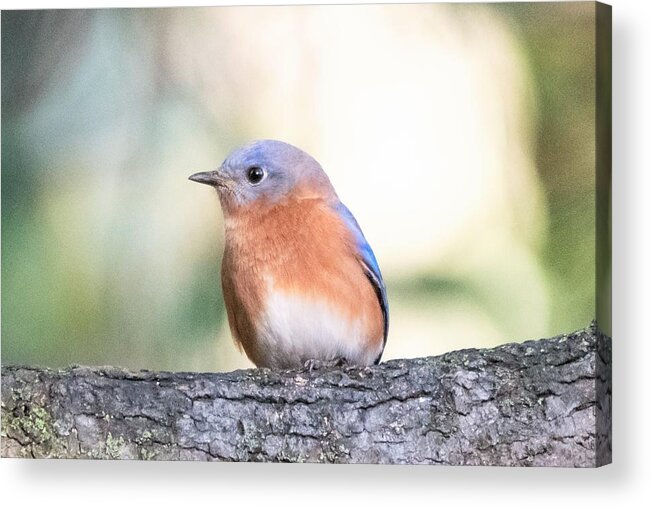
369, 262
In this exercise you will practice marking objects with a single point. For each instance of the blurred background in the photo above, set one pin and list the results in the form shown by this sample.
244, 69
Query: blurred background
461, 136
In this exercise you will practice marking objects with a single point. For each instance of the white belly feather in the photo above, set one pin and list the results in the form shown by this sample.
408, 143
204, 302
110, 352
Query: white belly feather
295, 328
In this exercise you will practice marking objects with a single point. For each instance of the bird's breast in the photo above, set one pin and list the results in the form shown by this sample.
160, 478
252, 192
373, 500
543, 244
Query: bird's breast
294, 288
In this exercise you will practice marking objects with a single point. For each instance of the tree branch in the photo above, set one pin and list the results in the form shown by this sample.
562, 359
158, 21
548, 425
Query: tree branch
543, 402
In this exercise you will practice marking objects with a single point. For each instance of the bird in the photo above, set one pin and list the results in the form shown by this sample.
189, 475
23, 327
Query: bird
300, 282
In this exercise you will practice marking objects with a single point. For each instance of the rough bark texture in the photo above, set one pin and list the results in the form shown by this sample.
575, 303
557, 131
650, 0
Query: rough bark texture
543, 402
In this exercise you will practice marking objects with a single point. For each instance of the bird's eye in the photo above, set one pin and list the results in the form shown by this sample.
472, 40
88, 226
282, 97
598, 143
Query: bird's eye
255, 175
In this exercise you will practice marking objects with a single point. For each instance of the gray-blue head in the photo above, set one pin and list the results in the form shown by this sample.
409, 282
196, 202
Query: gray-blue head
268, 171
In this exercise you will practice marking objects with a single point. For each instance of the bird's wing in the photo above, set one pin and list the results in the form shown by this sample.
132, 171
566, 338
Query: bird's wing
368, 261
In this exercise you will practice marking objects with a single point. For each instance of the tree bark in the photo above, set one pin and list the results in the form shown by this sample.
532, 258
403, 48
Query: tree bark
542, 403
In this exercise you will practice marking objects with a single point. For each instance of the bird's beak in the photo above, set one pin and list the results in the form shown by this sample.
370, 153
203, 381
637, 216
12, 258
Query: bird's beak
212, 178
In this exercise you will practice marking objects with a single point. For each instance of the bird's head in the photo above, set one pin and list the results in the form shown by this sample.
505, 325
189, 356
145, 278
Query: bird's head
266, 172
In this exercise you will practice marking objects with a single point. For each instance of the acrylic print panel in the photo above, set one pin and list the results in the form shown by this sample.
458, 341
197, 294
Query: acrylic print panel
242, 318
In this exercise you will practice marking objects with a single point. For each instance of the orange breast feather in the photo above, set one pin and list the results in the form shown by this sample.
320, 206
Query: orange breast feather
301, 247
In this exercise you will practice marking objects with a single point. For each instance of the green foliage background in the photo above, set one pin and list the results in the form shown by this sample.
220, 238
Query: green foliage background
76, 292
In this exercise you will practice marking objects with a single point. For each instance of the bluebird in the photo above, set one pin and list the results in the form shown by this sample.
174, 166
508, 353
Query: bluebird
300, 281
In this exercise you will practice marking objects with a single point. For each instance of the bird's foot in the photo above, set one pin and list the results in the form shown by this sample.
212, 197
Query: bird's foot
317, 364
